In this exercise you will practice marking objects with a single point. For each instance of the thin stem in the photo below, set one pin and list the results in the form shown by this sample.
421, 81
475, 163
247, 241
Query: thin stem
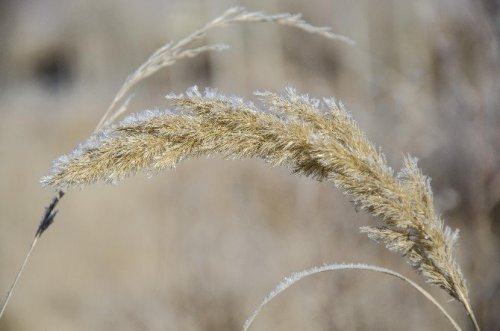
47, 220
295, 277
468, 309
11, 290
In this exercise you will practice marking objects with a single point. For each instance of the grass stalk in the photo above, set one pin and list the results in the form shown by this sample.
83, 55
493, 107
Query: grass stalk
314, 138
297, 276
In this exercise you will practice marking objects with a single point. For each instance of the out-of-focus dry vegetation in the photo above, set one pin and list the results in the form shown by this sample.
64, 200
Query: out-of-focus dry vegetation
198, 247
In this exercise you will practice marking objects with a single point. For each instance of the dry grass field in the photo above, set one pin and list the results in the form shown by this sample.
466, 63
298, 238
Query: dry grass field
198, 247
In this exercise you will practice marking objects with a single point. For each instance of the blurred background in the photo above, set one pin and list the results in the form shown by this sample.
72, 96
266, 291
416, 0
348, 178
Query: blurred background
199, 247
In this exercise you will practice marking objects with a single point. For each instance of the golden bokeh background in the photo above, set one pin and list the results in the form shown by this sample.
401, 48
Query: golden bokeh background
197, 248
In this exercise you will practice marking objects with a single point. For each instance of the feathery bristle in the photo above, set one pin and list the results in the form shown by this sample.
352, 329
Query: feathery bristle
312, 138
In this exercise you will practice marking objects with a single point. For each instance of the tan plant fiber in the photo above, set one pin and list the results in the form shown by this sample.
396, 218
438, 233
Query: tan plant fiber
165, 56
311, 137
171, 52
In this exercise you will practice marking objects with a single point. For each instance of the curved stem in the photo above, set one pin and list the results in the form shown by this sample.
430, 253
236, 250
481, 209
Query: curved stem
295, 277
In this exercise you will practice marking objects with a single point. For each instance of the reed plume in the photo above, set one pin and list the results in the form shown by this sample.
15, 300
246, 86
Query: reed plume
171, 52
315, 138
165, 56
312, 137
